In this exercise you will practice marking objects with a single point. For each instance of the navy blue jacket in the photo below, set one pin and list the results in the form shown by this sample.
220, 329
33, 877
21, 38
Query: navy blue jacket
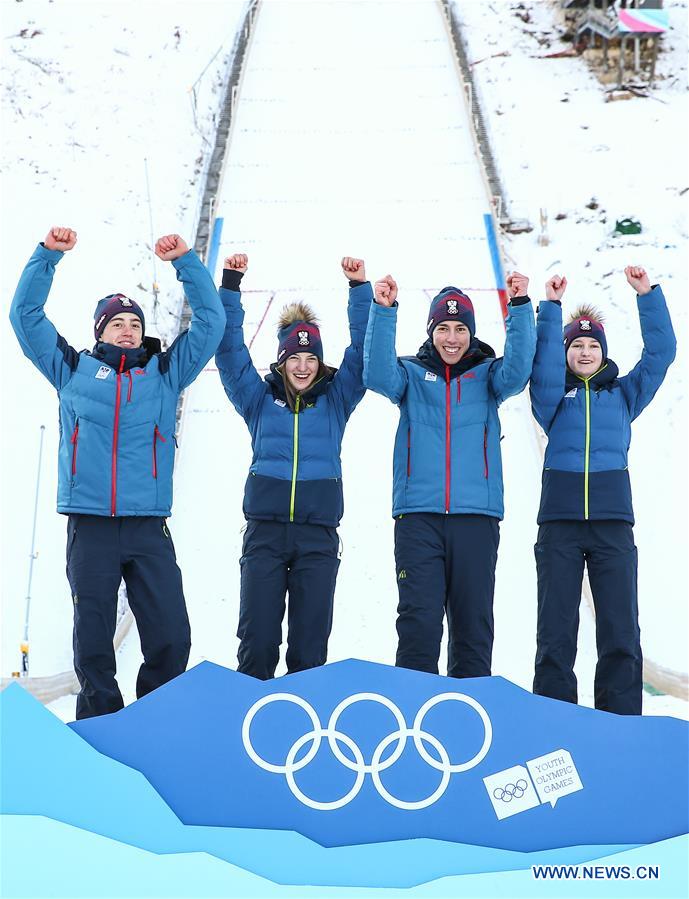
588, 420
117, 407
296, 472
447, 449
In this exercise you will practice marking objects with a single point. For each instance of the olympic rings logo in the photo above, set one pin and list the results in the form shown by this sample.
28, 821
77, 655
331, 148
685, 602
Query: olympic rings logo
511, 791
359, 765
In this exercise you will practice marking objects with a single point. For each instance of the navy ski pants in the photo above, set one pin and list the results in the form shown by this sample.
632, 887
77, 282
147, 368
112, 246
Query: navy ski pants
279, 558
446, 566
100, 552
607, 549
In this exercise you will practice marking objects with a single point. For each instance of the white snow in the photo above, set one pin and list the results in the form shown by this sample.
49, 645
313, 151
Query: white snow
351, 139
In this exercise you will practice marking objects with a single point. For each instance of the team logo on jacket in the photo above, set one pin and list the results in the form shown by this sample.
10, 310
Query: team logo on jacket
430, 376
303, 338
452, 307
585, 324
103, 372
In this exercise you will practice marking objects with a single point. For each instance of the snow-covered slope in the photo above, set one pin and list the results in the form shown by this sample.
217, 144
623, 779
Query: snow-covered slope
351, 139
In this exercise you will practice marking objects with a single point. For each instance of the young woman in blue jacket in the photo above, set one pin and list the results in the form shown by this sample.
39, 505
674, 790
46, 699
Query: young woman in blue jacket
585, 516
293, 498
117, 444
447, 482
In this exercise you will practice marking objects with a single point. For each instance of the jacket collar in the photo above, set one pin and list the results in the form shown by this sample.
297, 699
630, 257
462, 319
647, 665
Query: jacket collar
603, 379
133, 358
477, 353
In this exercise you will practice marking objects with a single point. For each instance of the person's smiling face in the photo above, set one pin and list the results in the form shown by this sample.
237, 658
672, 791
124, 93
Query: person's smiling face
301, 370
584, 356
123, 330
451, 340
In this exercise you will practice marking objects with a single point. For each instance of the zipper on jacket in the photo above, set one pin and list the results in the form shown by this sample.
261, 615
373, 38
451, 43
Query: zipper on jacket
75, 440
115, 435
156, 436
448, 422
587, 440
587, 448
295, 456
129, 389
485, 451
409, 451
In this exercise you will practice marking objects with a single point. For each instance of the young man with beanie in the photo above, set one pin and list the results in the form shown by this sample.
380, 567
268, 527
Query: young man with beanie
447, 482
117, 442
293, 498
585, 516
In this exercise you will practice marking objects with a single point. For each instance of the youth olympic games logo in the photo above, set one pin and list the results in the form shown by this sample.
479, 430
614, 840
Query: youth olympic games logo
377, 764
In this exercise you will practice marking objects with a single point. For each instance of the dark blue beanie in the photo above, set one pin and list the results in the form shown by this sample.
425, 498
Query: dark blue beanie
299, 337
451, 304
112, 305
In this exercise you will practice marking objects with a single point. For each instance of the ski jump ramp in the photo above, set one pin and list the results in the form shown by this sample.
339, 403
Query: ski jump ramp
352, 135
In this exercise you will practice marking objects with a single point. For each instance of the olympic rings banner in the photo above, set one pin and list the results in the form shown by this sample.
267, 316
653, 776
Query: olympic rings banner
357, 752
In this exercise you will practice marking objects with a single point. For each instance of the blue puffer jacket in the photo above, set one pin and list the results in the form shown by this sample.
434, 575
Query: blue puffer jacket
447, 449
588, 420
117, 407
296, 472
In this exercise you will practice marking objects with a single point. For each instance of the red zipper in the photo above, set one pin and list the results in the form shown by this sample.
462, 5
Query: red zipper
448, 423
409, 452
129, 389
156, 436
75, 438
485, 451
115, 435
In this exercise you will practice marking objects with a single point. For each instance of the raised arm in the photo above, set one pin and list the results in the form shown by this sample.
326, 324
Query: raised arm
382, 370
660, 345
243, 384
547, 385
510, 374
348, 383
191, 350
37, 336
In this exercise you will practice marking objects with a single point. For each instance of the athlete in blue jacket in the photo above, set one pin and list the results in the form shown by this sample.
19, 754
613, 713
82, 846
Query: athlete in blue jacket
447, 487
585, 516
115, 460
293, 497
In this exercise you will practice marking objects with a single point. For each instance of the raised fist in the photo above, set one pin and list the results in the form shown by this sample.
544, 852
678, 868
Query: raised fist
385, 291
239, 262
517, 285
170, 247
555, 287
354, 268
638, 279
62, 239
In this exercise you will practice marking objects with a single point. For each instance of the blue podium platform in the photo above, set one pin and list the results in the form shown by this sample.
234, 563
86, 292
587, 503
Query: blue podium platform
355, 774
